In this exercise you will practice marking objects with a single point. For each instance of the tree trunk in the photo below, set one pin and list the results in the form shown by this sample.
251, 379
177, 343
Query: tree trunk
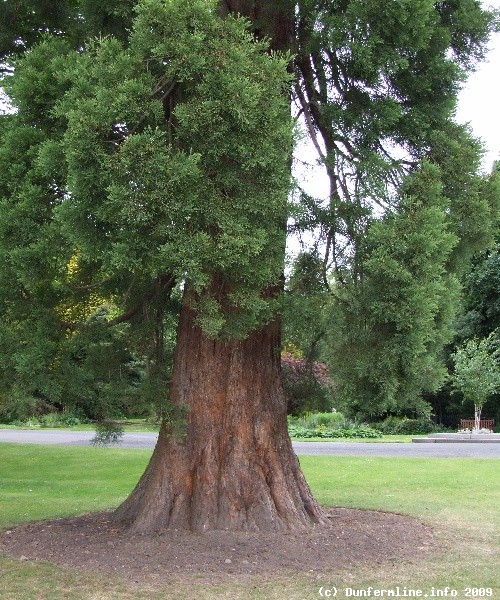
235, 468
477, 416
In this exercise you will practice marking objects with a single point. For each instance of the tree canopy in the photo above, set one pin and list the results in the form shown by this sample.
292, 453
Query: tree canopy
377, 88
477, 372
131, 168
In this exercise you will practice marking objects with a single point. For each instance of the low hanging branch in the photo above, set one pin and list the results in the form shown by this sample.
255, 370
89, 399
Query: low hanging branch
162, 288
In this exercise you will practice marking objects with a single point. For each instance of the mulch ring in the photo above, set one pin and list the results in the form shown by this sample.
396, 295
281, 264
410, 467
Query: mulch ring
94, 542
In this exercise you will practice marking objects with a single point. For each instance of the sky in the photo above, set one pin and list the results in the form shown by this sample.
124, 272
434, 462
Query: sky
479, 101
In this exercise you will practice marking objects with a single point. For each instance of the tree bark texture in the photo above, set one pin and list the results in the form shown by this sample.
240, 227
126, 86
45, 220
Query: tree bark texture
271, 19
235, 468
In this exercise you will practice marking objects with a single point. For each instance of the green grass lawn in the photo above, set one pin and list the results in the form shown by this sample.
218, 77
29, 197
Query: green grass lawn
38, 481
459, 497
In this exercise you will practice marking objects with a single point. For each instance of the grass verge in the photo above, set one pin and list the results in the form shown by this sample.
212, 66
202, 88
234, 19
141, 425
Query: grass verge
459, 497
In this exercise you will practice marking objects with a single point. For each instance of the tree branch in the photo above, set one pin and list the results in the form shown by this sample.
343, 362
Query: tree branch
162, 286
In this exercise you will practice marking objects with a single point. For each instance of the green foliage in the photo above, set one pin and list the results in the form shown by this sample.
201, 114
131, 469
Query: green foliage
317, 419
477, 370
373, 78
361, 432
480, 315
106, 433
53, 420
403, 426
473, 199
96, 372
304, 304
406, 209
328, 425
25, 22
392, 316
403, 60
140, 163
307, 385
150, 152
169, 185
479, 310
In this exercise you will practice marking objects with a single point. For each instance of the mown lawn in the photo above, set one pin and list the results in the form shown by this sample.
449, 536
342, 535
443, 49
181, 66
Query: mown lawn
459, 497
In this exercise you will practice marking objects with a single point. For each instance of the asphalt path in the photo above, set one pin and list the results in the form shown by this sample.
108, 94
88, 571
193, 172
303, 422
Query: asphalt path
148, 440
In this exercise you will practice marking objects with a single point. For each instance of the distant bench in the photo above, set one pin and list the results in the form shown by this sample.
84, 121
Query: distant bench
483, 424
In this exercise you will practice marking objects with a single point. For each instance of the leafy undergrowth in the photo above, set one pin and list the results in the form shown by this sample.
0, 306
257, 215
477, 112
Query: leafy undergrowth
328, 425
323, 432
52, 420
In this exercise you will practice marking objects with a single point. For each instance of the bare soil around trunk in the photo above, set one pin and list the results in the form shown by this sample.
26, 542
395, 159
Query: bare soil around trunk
94, 542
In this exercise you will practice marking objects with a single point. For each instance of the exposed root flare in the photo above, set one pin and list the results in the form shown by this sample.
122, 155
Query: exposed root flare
235, 469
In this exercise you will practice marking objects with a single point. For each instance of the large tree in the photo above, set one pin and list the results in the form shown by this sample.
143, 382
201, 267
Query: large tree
158, 157
394, 305
391, 271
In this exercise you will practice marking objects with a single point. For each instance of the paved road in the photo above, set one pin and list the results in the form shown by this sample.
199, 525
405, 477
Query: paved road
456, 450
73, 438
148, 440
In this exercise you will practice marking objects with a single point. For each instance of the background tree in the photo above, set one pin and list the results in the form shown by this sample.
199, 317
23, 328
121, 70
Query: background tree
304, 305
475, 311
391, 317
306, 379
358, 103
477, 373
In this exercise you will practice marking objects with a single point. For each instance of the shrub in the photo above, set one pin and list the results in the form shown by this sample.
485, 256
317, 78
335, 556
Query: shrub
405, 426
327, 426
307, 385
357, 431
52, 420
16, 406
316, 419
31, 423
106, 433
61, 419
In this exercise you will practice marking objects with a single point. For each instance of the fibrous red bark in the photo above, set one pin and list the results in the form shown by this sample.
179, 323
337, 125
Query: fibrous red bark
235, 467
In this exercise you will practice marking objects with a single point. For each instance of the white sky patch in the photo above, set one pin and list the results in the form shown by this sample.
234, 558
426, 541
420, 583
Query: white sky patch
479, 100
